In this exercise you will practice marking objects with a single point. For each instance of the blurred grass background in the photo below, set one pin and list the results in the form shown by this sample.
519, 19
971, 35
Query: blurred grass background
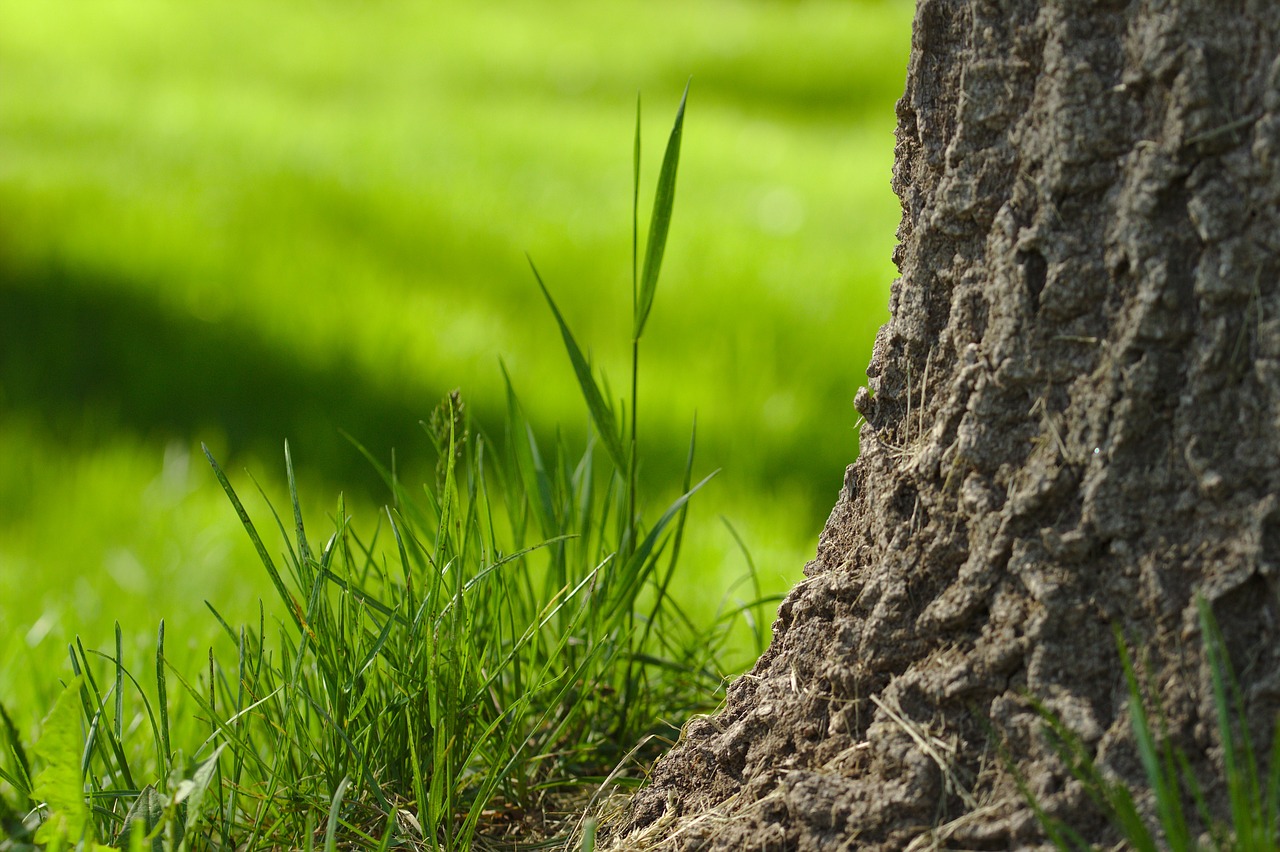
241, 222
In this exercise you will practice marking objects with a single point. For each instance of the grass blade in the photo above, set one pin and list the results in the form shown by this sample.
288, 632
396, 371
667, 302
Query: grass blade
758, 627
601, 413
638, 566
119, 720
635, 218
94, 708
660, 599
1243, 779
162, 700
304, 549
1271, 809
1168, 798
276, 580
660, 222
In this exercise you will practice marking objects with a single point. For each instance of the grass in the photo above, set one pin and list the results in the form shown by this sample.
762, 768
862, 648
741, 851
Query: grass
479, 661
1253, 799
286, 217
237, 222
270, 193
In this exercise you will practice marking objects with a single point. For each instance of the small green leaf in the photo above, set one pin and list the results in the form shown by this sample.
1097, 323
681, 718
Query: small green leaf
144, 817
21, 777
192, 791
59, 785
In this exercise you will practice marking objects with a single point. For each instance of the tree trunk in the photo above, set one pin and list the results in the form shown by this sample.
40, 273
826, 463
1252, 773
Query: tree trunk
1073, 426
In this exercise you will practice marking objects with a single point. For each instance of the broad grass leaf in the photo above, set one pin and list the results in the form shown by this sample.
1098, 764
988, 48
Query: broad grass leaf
59, 785
660, 222
145, 815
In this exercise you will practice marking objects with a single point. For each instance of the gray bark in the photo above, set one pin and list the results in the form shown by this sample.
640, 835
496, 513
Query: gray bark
1073, 424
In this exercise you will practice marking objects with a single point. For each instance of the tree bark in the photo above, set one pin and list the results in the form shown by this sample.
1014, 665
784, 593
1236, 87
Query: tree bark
1073, 425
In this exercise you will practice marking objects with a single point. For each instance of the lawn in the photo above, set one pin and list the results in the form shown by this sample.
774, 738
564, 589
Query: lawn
240, 222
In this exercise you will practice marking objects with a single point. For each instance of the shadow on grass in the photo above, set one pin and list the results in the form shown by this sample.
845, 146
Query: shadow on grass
86, 356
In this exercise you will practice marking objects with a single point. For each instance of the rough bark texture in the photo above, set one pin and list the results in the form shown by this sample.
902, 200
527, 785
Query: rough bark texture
1073, 423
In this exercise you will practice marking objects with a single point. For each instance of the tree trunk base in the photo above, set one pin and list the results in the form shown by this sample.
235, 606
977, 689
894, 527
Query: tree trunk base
1073, 429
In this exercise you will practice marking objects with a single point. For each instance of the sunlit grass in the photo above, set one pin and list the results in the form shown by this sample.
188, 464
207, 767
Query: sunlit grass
239, 223
502, 642
290, 165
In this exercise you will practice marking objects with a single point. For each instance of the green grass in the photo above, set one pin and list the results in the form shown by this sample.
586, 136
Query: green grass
236, 223
1253, 821
239, 222
490, 652
396, 163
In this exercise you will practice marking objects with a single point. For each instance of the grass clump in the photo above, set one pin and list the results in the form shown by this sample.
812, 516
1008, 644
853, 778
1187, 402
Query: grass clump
476, 663
1254, 800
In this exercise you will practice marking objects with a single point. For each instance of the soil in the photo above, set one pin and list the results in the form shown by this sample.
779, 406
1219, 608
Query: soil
1072, 428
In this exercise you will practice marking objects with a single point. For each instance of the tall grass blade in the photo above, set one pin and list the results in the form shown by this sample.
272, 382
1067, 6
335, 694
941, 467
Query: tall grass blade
162, 699
331, 828
1271, 812
119, 691
308, 831
660, 600
94, 709
1250, 803
1163, 782
542, 483
638, 566
1230, 752
601, 412
758, 627
221, 621
522, 446
635, 217
1112, 797
660, 222
1060, 836
304, 550
276, 580
388, 832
